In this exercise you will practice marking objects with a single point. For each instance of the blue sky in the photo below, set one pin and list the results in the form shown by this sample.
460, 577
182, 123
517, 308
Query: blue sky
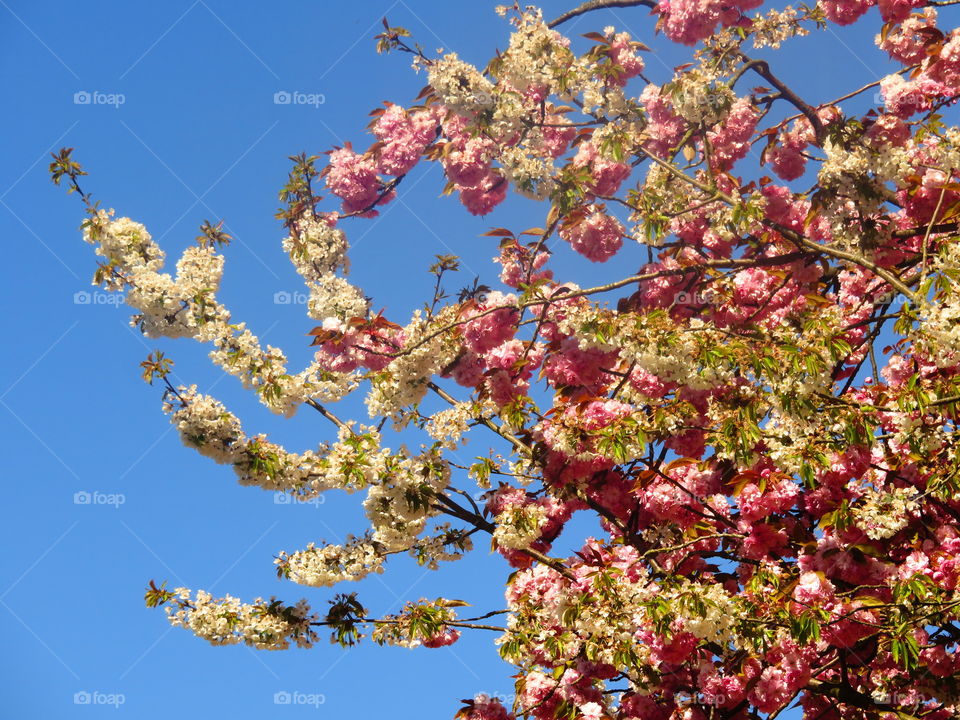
199, 136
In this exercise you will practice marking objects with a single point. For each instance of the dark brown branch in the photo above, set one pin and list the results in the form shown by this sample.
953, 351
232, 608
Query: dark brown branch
591, 5
763, 70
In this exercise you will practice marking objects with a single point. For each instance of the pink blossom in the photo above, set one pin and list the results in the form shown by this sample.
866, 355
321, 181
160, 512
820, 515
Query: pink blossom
558, 133
595, 235
483, 707
490, 329
908, 41
778, 497
607, 175
844, 12
448, 636
485, 196
665, 127
353, 178
647, 384
946, 69
623, 54
916, 562
469, 165
888, 130
572, 366
404, 138
517, 266
904, 98
894, 11
598, 414
690, 21
813, 589
786, 158
940, 662
731, 141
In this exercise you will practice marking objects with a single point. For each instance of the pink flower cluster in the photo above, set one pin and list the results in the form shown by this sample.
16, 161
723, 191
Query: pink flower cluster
665, 128
353, 178
520, 265
483, 707
593, 233
606, 175
447, 636
690, 21
467, 160
786, 157
844, 12
908, 41
403, 137
788, 670
731, 140
624, 56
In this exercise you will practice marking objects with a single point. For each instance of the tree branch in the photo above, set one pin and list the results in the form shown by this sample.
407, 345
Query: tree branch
591, 5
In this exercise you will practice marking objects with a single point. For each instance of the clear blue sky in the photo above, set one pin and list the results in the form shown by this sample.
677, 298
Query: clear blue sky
199, 136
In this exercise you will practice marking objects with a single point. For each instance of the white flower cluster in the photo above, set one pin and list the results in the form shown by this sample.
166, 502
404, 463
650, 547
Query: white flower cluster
519, 526
450, 425
404, 381
699, 98
399, 506
706, 610
186, 306
776, 26
883, 513
460, 86
857, 178
531, 173
536, 54
328, 565
318, 251
227, 621
353, 462
182, 307
939, 326
126, 245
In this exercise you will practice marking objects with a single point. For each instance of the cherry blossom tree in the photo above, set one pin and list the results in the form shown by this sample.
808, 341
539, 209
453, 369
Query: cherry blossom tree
763, 416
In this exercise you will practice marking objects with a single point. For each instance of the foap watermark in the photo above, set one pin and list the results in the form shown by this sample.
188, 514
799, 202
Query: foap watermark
702, 297
295, 97
84, 497
95, 97
684, 698
282, 498
505, 699
85, 297
282, 297
908, 103
909, 702
284, 697
95, 697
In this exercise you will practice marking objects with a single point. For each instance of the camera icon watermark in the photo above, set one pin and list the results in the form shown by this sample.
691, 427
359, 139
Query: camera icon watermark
84, 497
282, 297
85, 297
95, 697
483, 99
295, 97
95, 97
283, 697
282, 498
